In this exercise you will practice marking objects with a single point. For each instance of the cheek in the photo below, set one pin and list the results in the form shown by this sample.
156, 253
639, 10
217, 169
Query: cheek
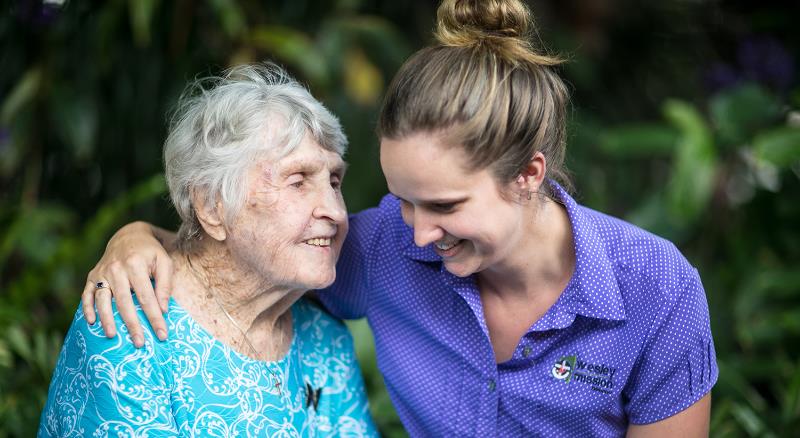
488, 233
407, 213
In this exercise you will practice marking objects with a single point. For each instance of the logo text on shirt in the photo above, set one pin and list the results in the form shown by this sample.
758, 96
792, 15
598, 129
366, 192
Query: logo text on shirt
599, 376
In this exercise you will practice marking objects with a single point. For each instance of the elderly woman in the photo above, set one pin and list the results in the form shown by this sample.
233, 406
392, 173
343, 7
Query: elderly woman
254, 167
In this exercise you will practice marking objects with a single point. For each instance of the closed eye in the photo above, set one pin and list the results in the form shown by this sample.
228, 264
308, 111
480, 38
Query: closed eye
296, 180
443, 207
336, 182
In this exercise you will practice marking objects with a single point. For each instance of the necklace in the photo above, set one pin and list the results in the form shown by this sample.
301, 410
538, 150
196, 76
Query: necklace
238, 327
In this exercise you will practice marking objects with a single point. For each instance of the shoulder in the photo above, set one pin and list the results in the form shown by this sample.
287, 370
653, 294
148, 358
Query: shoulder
319, 334
90, 340
367, 223
99, 380
656, 282
641, 254
312, 321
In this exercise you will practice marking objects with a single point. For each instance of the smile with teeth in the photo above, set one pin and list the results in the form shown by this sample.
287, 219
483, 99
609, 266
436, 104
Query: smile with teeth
320, 241
444, 246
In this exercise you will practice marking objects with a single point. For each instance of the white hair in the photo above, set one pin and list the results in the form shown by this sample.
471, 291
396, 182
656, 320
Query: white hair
223, 124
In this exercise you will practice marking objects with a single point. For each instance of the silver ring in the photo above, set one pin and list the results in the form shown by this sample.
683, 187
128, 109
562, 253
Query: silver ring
101, 285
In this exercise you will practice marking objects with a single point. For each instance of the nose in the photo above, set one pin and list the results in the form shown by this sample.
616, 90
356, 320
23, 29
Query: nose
331, 207
426, 231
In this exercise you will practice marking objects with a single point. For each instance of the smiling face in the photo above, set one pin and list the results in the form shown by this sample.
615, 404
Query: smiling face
464, 213
292, 226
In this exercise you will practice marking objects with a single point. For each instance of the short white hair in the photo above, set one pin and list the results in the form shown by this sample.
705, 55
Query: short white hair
221, 125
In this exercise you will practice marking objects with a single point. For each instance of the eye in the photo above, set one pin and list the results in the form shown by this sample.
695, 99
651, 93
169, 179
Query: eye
443, 207
336, 182
296, 180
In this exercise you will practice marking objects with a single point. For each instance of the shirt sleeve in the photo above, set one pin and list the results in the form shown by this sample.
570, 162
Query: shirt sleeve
107, 387
678, 365
348, 297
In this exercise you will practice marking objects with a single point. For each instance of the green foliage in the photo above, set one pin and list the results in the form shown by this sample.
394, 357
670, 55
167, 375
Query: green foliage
752, 284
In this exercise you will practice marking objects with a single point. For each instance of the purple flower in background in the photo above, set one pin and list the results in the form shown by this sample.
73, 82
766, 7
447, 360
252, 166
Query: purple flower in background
760, 59
767, 61
720, 77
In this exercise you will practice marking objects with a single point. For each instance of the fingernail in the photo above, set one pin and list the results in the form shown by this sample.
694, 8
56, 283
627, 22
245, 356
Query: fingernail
162, 334
138, 341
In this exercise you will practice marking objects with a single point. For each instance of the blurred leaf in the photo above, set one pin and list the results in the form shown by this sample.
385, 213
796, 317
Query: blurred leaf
791, 397
650, 216
38, 280
733, 380
231, 17
19, 342
22, 93
379, 38
34, 233
639, 140
780, 146
141, 13
740, 112
766, 286
11, 145
5, 356
750, 420
362, 80
695, 162
720, 419
293, 47
76, 119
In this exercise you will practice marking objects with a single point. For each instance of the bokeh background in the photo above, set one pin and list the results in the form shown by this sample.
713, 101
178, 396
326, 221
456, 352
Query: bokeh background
684, 120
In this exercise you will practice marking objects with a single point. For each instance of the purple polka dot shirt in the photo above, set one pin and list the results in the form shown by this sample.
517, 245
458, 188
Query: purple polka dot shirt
627, 342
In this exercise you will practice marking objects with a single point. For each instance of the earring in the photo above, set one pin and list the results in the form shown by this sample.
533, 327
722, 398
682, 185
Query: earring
530, 193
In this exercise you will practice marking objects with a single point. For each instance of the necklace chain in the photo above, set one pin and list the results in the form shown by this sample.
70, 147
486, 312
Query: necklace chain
238, 327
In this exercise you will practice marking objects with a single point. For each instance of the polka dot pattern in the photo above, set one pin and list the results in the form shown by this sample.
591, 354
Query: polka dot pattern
627, 342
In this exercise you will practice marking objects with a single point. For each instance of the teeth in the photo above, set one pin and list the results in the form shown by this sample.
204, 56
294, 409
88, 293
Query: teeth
445, 246
319, 242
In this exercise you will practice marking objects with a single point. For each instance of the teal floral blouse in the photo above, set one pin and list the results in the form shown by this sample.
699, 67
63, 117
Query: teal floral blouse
194, 385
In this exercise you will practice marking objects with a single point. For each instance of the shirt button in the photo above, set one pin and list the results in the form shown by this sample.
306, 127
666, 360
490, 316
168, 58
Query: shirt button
492, 385
526, 351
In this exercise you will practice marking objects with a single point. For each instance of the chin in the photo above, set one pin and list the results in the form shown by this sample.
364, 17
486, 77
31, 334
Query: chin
459, 270
321, 281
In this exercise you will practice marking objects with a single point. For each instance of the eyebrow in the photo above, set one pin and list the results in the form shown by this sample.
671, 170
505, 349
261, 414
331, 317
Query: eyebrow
311, 166
433, 201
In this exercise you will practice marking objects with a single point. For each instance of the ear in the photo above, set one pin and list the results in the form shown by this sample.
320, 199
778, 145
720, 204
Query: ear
210, 217
532, 175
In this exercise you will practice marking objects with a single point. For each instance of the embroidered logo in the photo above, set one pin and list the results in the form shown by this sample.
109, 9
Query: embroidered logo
562, 370
599, 376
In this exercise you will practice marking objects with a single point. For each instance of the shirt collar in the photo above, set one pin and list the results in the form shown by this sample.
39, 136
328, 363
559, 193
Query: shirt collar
593, 290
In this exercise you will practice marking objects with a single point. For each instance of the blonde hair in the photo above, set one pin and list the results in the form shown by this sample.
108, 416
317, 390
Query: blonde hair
486, 88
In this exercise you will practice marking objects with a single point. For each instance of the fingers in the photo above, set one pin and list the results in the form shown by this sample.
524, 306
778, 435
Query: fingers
163, 277
87, 301
127, 310
147, 300
102, 299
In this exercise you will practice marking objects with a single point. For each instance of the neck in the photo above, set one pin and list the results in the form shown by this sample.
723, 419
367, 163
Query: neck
210, 280
542, 262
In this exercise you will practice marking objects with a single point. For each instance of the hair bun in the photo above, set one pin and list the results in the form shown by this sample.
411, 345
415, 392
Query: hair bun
469, 22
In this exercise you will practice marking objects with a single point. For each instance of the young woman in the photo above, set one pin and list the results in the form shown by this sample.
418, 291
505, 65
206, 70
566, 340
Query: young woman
500, 306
